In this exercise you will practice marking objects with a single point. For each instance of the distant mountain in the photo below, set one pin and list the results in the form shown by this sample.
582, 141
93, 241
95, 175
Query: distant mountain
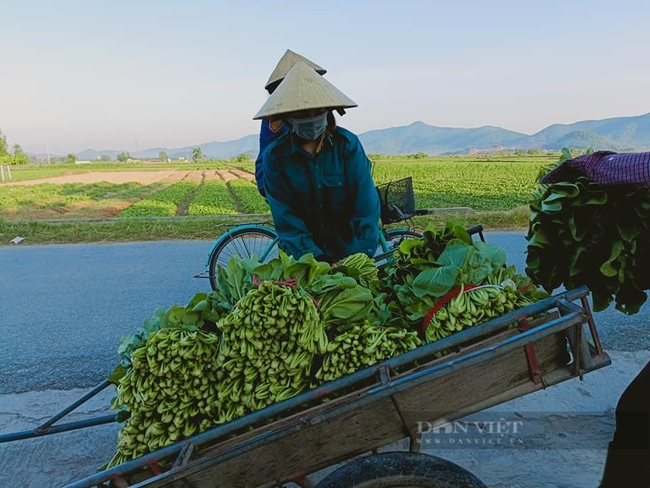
420, 137
216, 150
90, 154
584, 139
619, 134
628, 132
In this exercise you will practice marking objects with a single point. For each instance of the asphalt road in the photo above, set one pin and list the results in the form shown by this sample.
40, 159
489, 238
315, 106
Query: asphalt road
63, 308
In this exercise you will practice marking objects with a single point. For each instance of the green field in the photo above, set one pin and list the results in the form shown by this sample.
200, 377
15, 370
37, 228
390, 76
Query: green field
32, 172
497, 189
481, 184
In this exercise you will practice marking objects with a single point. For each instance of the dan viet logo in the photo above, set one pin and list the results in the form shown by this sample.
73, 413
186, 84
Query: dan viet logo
471, 433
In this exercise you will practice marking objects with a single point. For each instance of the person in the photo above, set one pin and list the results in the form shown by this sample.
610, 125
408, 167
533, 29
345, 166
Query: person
317, 176
628, 456
271, 128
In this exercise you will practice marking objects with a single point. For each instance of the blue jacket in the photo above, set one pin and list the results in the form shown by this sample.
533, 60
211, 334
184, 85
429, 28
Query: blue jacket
268, 134
325, 204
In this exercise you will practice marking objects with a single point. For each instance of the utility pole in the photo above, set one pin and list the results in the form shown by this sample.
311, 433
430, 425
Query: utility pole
47, 144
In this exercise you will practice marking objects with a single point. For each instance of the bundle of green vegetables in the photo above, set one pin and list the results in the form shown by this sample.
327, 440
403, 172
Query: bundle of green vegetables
429, 284
169, 390
268, 346
362, 345
584, 233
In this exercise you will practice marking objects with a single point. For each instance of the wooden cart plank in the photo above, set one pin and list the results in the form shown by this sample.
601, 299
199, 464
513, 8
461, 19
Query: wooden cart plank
451, 396
320, 445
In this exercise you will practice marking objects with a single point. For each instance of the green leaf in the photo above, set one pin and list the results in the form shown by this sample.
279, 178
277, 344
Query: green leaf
495, 254
201, 306
551, 207
117, 374
577, 266
271, 271
192, 318
347, 304
539, 239
608, 268
628, 231
152, 324
175, 315
407, 246
435, 282
565, 188
476, 269
461, 233
454, 254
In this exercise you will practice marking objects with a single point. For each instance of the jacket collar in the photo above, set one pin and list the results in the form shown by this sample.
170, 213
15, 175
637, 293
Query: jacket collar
325, 142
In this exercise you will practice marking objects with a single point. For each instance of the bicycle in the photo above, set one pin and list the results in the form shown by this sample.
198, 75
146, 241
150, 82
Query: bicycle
261, 241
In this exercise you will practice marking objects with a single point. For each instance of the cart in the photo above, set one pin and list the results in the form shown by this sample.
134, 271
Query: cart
508, 357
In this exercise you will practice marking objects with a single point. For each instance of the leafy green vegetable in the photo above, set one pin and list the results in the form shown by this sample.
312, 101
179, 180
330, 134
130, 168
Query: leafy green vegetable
435, 282
584, 233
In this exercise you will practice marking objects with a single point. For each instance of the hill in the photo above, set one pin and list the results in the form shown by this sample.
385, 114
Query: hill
620, 133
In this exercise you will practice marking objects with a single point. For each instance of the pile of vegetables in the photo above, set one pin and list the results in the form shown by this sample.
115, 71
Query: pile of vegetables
271, 331
584, 233
450, 282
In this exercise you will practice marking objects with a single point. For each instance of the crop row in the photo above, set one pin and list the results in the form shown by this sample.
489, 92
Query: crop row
163, 203
212, 198
250, 198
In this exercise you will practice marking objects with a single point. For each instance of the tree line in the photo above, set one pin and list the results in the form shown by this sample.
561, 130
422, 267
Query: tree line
17, 156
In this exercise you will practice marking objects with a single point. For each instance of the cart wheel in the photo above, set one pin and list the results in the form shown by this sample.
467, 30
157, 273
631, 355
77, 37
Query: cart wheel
401, 470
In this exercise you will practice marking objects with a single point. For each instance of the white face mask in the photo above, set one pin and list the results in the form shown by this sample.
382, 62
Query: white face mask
310, 128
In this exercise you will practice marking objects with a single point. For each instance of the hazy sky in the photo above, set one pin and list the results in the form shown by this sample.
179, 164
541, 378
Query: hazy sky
96, 74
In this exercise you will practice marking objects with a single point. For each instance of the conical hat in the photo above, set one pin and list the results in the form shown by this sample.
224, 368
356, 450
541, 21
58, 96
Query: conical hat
303, 89
286, 63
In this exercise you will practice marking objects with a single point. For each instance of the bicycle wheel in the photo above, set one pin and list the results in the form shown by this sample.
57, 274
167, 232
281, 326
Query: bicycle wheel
395, 237
245, 243
401, 470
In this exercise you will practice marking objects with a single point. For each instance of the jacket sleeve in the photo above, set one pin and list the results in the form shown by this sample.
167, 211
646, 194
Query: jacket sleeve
259, 162
295, 237
365, 201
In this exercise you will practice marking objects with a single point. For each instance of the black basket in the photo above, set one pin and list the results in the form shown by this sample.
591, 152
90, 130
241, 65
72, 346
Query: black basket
397, 200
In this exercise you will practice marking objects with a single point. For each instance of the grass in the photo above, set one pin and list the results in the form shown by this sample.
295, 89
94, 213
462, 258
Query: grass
121, 230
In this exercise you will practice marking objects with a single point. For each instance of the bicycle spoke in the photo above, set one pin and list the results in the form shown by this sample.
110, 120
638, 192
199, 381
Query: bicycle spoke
246, 247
